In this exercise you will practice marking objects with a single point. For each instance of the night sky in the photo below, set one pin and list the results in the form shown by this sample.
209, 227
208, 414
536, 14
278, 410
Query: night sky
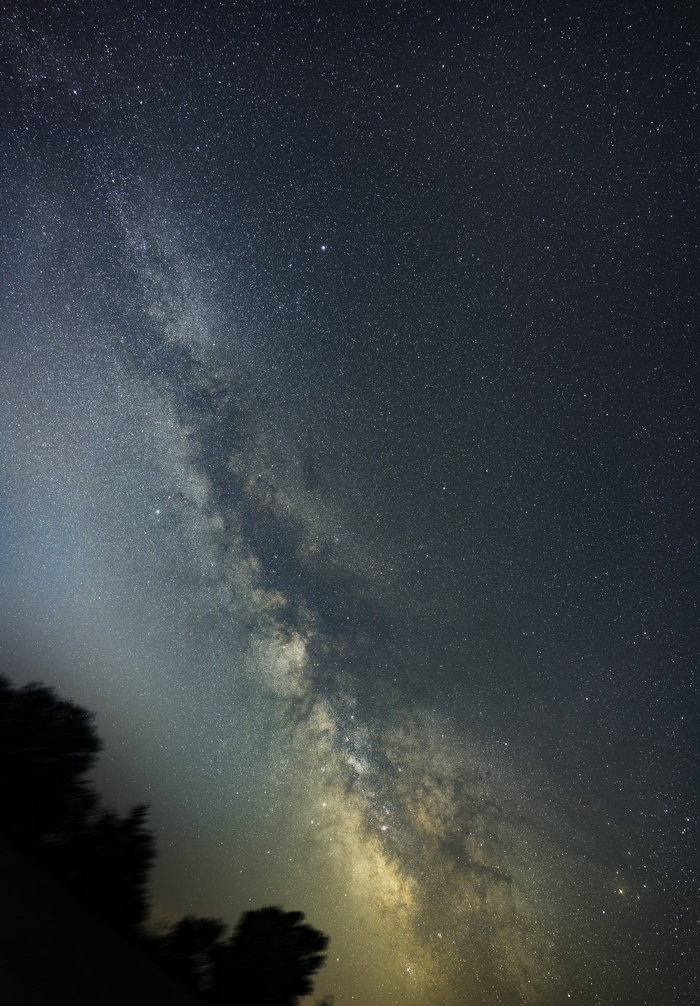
349, 441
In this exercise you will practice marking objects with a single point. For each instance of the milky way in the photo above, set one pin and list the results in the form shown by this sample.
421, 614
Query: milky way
347, 504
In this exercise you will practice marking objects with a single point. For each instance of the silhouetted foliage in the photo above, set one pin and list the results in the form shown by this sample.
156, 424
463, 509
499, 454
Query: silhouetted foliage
49, 809
188, 950
107, 862
269, 959
47, 745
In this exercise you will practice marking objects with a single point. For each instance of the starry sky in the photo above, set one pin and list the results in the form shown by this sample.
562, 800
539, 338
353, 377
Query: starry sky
349, 468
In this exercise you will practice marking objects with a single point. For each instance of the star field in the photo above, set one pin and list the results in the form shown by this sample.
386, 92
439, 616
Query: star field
349, 443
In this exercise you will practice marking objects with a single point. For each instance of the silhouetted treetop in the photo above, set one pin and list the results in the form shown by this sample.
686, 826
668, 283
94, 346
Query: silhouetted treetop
269, 959
50, 810
47, 745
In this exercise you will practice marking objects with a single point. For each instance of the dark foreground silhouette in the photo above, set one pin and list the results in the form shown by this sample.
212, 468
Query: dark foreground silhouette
268, 959
75, 880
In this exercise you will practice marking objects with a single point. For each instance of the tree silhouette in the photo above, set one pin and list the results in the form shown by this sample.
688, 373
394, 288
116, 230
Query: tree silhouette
188, 950
50, 810
47, 745
269, 959
107, 862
